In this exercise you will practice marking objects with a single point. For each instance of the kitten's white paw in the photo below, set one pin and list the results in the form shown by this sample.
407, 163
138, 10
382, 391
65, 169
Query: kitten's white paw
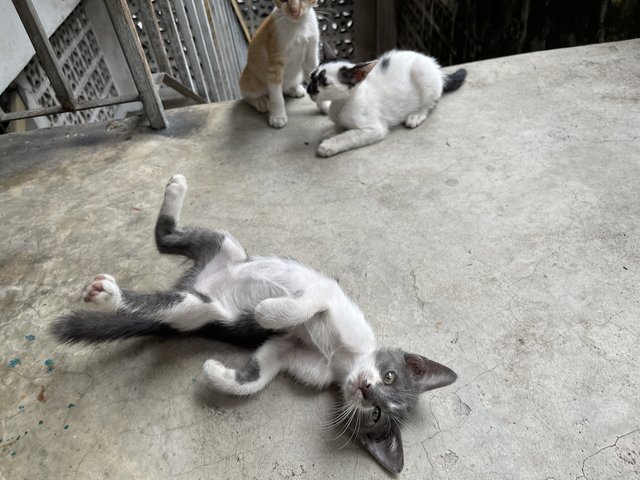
327, 149
103, 292
324, 106
216, 372
261, 104
277, 121
414, 120
297, 92
177, 185
266, 313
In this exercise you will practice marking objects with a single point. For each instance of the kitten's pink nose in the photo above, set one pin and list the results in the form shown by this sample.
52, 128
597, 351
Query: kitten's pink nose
295, 12
365, 389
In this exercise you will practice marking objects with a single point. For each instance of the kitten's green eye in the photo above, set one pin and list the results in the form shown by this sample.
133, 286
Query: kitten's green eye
389, 378
375, 415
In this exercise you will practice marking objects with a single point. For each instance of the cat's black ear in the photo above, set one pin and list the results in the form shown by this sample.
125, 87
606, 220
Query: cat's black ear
428, 374
386, 449
354, 75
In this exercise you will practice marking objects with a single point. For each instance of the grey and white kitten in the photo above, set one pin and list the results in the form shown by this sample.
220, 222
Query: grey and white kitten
367, 99
300, 321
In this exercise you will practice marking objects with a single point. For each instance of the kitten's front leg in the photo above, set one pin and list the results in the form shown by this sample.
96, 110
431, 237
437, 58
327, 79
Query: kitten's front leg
332, 132
277, 112
351, 139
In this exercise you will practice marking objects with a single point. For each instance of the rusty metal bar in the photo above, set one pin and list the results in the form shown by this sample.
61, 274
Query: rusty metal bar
46, 55
37, 112
137, 61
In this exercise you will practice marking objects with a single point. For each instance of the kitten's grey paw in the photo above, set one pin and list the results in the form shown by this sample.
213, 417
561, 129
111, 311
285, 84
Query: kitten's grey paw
414, 120
261, 104
103, 292
327, 149
277, 121
296, 92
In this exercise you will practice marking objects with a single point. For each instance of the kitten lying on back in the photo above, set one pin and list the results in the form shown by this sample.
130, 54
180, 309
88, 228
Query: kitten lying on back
368, 99
283, 52
300, 320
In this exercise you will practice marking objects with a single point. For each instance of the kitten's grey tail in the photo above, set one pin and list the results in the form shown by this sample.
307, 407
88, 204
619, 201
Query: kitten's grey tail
86, 326
454, 80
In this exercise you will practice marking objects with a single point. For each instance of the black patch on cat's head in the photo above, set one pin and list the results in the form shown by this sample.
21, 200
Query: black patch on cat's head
384, 64
318, 79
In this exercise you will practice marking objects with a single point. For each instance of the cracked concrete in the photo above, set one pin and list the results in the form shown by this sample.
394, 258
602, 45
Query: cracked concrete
500, 238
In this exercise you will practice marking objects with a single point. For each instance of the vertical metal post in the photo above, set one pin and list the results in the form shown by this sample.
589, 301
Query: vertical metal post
150, 23
198, 33
192, 53
46, 55
134, 54
210, 47
170, 31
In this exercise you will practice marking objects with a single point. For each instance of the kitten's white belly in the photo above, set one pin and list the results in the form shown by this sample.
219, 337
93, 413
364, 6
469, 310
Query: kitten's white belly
240, 287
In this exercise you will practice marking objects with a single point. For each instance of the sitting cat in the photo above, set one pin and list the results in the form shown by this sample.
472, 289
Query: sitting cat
283, 52
369, 98
300, 320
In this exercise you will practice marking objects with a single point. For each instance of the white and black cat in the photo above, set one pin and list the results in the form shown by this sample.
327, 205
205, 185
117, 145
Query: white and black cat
367, 99
300, 320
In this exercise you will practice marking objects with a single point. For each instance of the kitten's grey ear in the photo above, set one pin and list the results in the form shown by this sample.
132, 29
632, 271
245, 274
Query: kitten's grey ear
387, 449
328, 53
354, 75
427, 373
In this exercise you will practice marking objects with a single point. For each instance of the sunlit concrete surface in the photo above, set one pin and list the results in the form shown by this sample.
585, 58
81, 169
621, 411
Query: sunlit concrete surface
499, 238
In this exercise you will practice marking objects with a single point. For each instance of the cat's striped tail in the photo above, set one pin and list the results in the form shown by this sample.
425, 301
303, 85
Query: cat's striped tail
88, 326
454, 80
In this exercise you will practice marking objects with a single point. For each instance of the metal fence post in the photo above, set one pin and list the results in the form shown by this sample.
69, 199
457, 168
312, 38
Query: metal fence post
137, 61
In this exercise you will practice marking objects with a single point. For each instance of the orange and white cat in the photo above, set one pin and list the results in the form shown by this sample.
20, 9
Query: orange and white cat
282, 53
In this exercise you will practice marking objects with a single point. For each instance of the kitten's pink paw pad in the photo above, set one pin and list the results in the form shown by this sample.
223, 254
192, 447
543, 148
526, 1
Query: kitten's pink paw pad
102, 291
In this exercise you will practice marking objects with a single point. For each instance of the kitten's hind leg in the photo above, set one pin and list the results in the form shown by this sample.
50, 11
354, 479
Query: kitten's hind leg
261, 103
200, 245
261, 368
416, 118
103, 292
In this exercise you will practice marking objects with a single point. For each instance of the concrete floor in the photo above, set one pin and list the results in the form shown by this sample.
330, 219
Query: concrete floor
500, 238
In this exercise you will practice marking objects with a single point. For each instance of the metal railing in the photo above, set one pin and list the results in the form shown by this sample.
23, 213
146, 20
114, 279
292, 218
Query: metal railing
165, 42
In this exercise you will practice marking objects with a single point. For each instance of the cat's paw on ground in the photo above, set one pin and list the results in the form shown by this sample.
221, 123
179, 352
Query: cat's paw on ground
277, 121
415, 119
103, 292
296, 92
327, 149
